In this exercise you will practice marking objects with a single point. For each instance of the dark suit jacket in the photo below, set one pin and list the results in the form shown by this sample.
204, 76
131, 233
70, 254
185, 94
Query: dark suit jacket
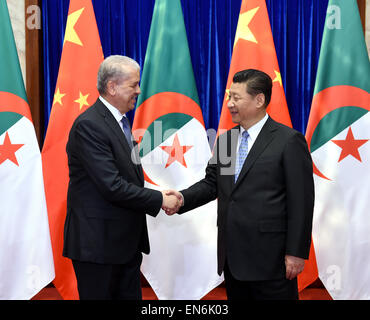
106, 203
268, 212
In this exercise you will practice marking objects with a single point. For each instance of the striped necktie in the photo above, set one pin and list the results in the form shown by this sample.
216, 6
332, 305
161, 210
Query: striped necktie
242, 154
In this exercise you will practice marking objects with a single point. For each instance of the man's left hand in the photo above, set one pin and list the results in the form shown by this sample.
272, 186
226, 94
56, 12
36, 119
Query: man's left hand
294, 266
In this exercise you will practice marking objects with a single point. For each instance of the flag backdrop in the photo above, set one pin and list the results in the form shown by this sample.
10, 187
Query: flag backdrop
339, 139
75, 91
254, 49
26, 259
174, 150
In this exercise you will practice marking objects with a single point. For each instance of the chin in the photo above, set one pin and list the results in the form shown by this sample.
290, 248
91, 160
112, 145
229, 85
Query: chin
133, 104
235, 120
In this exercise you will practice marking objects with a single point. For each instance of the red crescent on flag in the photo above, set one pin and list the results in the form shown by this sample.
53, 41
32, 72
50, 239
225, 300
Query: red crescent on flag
159, 105
10, 102
330, 99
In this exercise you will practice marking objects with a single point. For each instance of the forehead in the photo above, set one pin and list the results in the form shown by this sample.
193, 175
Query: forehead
133, 75
129, 76
238, 88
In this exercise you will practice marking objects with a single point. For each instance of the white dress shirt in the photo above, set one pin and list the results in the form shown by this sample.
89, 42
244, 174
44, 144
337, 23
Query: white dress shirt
115, 112
253, 132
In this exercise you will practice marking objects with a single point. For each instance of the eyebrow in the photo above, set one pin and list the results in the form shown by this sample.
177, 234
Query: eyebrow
233, 93
134, 82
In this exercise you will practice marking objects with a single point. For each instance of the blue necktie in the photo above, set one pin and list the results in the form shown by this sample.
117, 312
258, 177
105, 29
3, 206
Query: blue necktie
127, 131
242, 154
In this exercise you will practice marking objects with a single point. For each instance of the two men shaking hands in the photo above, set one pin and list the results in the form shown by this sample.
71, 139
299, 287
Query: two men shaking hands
172, 201
265, 194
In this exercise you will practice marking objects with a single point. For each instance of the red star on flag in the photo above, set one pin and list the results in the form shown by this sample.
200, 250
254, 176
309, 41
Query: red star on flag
350, 146
176, 152
8, 150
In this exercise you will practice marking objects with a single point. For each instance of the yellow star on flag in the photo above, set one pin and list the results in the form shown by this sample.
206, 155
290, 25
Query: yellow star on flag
58, 97
243, 31
82, 100
278, 78
71, 34
227, 94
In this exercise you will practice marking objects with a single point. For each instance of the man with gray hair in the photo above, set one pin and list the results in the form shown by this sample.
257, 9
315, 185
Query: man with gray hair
105, 230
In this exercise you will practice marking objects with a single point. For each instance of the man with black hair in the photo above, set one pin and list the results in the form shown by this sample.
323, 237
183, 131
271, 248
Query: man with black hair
261, 174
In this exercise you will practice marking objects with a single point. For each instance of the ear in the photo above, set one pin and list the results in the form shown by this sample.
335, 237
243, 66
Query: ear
260, 100
111, 88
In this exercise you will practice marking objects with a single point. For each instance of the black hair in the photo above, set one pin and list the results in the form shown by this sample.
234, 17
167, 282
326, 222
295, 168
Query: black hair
257, 82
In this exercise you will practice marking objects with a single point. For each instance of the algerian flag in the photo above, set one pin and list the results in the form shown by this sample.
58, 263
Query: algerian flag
174, 152
26, 260
339, 138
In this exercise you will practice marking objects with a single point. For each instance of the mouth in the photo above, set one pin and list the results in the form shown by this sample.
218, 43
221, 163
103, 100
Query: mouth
133, 100
132, 103
233, 112
235, 118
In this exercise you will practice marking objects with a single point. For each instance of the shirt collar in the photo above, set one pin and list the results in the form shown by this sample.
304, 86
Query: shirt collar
254, 130
115, 112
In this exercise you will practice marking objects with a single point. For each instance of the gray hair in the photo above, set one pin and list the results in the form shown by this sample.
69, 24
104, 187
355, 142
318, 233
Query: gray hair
114, 68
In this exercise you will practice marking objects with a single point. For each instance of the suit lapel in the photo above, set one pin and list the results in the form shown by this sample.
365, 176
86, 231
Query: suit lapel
115, 127
264, 138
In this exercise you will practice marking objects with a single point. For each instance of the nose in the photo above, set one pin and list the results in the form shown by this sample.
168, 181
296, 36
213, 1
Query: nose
138, 90
230, 103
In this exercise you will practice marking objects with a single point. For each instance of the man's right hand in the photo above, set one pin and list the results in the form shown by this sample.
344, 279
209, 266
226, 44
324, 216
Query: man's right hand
172, 201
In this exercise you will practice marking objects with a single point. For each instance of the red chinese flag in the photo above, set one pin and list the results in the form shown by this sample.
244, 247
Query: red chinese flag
254, 49
310, 272
75, 91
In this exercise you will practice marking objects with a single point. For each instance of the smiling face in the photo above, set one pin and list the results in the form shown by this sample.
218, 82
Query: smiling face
124, 91
245, 109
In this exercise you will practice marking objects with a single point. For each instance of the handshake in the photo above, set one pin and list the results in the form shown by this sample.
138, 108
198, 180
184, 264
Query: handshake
172, 201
